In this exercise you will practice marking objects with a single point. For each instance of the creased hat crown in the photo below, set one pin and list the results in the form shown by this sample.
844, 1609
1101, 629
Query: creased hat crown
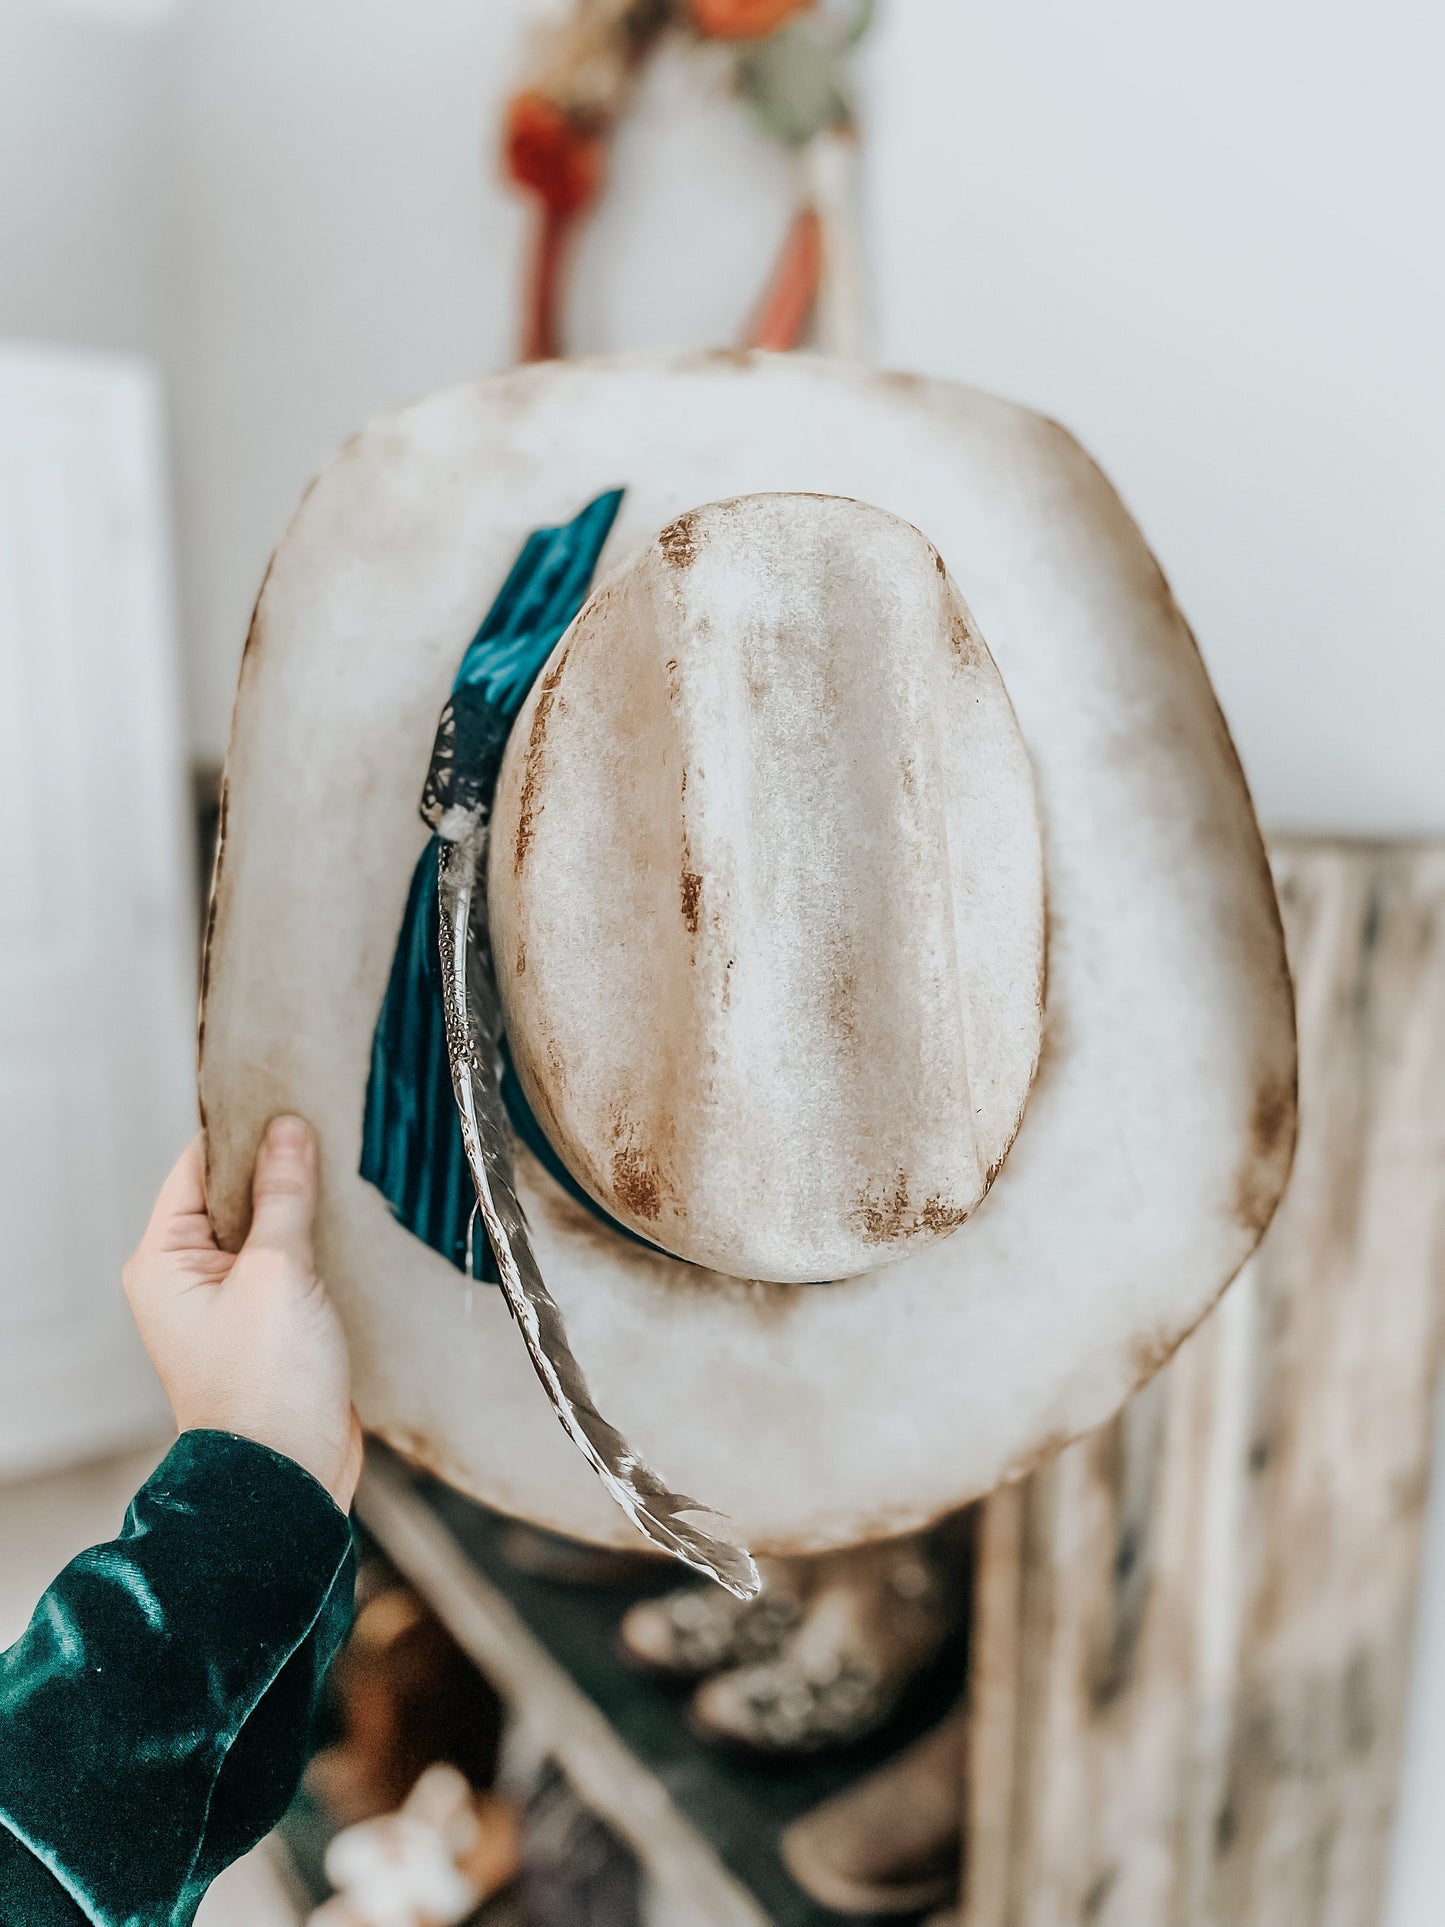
766, 894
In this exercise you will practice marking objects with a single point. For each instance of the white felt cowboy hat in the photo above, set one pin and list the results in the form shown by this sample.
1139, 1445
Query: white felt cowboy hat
885, 942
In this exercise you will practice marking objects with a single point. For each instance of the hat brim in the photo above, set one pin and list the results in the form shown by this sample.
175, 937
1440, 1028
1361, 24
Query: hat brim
1159, 1133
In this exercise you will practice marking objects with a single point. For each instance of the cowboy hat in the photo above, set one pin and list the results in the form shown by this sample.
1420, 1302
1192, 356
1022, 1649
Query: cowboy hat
859, 1192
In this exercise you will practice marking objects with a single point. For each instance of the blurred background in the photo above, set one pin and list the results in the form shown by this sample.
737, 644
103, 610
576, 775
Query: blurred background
1204, 238
231, 231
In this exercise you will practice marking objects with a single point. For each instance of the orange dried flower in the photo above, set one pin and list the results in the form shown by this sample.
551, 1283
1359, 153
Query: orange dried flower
743, 19
548, 153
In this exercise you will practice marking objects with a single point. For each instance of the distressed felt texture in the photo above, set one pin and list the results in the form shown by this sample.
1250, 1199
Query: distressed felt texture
1158, 1132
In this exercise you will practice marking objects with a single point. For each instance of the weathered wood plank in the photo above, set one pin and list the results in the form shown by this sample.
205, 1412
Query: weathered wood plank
1192, 1631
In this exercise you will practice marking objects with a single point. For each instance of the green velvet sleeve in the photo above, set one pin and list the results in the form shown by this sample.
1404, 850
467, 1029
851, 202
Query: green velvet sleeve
155, 1714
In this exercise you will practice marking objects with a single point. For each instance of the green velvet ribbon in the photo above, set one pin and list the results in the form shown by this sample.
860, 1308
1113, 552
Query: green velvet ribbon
156, 1713
411, 1138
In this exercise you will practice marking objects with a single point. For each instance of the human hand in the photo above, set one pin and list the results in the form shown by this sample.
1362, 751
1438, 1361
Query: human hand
248, 1341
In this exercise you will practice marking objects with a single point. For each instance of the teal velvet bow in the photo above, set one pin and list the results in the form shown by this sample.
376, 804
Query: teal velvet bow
156, 1714
411, 1140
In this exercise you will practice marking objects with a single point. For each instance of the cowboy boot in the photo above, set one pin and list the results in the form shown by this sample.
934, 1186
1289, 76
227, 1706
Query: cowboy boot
890, 1844
871, 1618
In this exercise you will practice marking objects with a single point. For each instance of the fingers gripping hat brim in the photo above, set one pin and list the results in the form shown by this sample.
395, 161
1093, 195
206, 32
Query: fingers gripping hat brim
1159, 1132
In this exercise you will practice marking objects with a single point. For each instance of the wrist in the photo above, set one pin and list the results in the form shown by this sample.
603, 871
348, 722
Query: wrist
334, 1463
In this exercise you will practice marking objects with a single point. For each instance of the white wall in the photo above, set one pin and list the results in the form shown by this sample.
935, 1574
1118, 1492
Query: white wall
348, 246
1204, 238
345, 250
87, 214
1208, 239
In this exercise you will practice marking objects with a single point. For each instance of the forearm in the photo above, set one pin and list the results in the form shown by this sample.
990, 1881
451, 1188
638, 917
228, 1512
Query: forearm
154, 1716
29, 1892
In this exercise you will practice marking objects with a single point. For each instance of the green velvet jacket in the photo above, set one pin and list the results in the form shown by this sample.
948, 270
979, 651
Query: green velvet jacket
155, 1714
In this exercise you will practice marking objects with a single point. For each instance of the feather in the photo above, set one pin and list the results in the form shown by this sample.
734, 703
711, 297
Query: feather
699, 1536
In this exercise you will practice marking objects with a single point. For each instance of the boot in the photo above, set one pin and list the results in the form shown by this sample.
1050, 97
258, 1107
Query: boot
870, 1620
890, 1844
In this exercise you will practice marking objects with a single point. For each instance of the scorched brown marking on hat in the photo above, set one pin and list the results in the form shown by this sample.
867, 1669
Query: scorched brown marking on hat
691, 897
1271, 1140
541, 1099
536, 743
843, 1003
1274, 1119
556, 1062
881, 1217
965, 642
419, 1449
678, 541
252, 643
637, 1179
637, 1182
213, 904
250, 655
1147, 1354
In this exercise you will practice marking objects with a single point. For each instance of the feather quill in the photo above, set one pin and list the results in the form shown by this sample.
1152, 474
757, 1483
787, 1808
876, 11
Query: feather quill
696, 1534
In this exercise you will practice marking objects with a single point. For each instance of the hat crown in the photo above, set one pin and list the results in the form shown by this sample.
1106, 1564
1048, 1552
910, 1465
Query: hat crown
766, 894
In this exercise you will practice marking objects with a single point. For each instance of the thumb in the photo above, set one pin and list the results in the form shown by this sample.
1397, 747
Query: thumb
283, 1190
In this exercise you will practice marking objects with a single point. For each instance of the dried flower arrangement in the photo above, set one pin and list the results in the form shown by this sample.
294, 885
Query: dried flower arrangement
790, 70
